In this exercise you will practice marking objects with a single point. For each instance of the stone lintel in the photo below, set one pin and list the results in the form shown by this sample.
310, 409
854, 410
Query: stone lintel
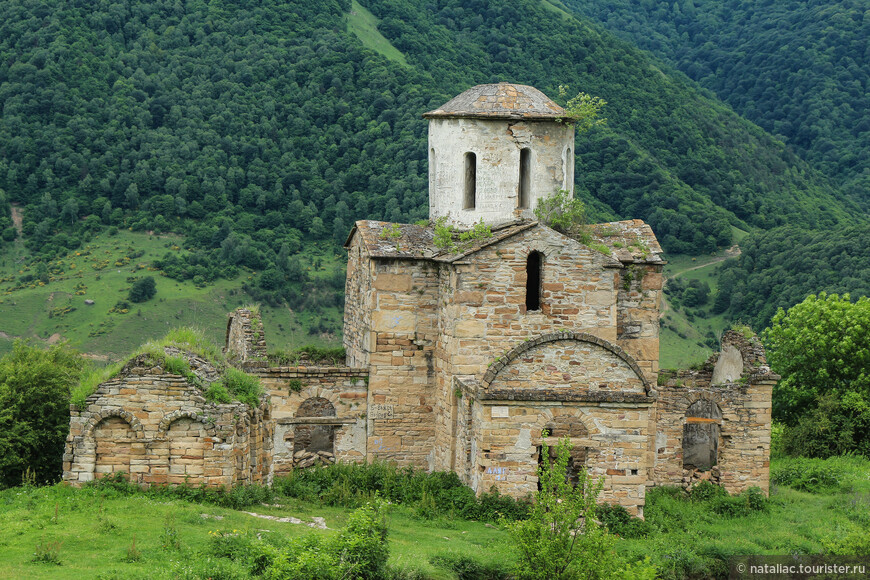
563, 396
315, 421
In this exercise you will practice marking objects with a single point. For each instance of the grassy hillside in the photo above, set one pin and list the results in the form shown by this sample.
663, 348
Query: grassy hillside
689, 335
364, 25
104, 269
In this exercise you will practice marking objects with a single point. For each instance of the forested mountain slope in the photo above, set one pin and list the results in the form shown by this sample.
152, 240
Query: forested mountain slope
799, 69
254, 128
779, 268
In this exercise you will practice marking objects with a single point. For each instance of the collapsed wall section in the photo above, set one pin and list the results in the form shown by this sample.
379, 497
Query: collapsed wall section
319, 414
713, 424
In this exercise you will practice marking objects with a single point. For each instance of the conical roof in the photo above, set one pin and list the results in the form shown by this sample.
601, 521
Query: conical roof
500, 101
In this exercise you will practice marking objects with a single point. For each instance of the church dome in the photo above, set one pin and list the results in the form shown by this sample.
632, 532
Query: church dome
499, 101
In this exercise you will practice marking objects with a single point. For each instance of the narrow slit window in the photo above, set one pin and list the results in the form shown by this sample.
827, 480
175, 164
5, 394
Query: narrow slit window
533, 281
432, 166
470, 181
525, 178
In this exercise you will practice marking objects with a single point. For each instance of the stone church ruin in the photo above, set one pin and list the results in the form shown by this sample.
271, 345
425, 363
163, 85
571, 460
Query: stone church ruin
467, 357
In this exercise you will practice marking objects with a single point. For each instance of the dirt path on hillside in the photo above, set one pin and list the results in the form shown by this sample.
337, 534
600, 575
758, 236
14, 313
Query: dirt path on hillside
17, 219
731, 252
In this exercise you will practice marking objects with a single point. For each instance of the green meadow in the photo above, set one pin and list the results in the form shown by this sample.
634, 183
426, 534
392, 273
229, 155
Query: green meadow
815, 507
104, 269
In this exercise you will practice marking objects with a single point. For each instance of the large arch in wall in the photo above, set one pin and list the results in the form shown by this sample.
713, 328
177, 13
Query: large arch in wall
575, 361
313, 438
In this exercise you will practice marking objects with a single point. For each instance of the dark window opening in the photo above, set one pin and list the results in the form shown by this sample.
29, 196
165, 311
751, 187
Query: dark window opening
576, 463
525, 178
701, 435
314, 443
470, 181
533, 281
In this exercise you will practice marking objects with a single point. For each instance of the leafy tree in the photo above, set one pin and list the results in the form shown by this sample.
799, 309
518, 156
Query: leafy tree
820, 346
838, 425
35, 389
697, 293
143, 289
561, 539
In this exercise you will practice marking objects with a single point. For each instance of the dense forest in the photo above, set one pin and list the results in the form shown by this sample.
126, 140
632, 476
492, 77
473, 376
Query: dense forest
257, 128
780, 268
798, 69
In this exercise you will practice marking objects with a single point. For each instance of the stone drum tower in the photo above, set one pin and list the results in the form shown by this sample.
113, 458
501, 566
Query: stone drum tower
494, 151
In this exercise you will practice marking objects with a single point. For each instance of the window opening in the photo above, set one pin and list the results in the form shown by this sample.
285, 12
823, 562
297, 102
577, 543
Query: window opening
470, 181
432, 167
533, 281
525, 178
701, 435
566, 168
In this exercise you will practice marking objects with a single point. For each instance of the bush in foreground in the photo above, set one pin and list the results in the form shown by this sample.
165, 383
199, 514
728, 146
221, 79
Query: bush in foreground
431, 495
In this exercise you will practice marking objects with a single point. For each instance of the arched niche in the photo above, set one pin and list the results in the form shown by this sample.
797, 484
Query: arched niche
114, 446
577, 361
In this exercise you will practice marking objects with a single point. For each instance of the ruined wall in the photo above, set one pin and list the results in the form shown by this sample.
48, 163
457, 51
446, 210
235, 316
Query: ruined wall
157, 428
301, 399
245, 338
497, 145
358, 305
741, 417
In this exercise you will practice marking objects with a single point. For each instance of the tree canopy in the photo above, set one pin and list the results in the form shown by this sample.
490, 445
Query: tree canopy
35, 387
820, 346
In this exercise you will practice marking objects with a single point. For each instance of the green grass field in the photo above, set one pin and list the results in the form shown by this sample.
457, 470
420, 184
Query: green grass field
91, 531
557, 7
364, 25
103, 271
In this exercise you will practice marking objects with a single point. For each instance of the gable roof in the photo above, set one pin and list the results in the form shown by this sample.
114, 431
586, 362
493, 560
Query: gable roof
630, 241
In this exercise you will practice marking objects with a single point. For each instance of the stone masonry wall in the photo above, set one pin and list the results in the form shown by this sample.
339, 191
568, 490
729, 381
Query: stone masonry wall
744, 428
482, 309
158, 429
497, 144
403, 334
358, 305
345, 389
571, 385
637, 315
